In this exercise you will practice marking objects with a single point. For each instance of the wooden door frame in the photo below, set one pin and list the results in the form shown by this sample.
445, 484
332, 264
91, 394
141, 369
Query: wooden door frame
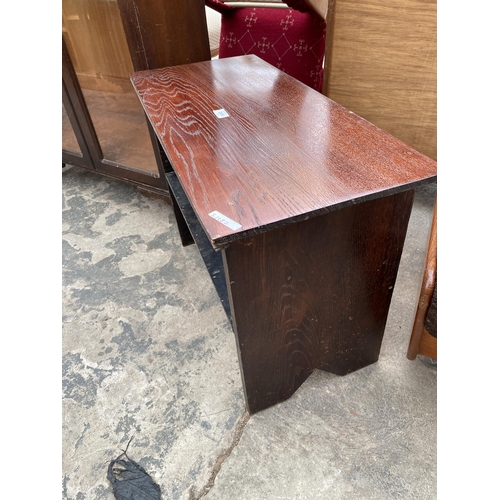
146, 24
91, 156
78, 114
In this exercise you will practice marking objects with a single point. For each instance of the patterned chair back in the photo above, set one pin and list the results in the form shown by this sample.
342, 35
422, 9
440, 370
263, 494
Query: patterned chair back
292, 40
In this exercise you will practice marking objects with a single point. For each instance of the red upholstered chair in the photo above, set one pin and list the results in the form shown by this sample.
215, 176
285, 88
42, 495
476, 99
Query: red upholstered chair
291, 38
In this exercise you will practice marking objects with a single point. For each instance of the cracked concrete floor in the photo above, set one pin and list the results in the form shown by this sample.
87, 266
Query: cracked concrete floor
148, 353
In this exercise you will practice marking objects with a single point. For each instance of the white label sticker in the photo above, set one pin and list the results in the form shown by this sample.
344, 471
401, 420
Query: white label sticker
221, 113
225, 220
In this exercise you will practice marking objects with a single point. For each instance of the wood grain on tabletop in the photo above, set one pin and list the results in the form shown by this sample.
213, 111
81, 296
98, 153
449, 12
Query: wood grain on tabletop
284, 153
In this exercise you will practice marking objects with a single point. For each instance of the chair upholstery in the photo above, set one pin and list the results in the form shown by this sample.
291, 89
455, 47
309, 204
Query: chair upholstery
289, 39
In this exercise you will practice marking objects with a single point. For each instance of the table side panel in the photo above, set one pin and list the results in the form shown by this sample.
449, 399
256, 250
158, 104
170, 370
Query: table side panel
314, 294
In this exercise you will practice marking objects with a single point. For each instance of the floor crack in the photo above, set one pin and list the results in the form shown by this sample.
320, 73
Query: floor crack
240, 427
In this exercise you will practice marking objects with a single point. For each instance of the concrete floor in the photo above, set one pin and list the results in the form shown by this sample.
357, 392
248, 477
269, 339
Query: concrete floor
148, 353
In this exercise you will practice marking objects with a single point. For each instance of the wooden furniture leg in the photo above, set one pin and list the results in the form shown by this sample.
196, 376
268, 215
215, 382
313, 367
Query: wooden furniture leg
421, 341
314, 294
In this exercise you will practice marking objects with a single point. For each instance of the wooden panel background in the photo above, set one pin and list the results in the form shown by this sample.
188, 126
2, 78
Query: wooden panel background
163, 33
381, 64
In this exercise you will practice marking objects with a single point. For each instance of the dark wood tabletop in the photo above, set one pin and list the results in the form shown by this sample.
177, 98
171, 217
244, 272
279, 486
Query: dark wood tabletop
279, 152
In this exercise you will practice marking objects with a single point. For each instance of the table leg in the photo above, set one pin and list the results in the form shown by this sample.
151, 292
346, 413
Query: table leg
314, 294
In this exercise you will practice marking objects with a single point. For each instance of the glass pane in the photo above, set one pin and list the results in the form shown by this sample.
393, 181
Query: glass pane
96, 42
69, 141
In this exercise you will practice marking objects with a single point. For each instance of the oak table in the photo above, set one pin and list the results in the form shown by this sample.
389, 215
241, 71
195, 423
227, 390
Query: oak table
299, 208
